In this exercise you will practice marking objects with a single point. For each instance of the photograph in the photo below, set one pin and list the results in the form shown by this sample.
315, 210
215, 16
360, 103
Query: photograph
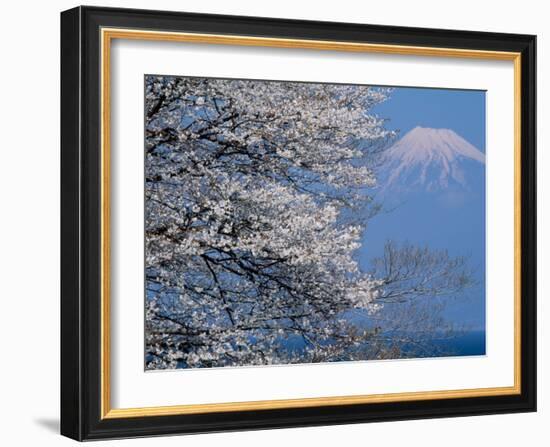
275, 224
299, 222
281, 223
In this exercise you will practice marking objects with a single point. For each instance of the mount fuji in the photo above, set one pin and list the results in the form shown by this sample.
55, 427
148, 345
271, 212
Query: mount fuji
432, 160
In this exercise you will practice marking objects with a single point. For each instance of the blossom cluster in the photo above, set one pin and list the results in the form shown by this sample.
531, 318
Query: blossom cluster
250, 186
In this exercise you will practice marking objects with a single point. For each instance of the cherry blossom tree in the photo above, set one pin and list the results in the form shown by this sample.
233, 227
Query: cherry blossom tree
257, 196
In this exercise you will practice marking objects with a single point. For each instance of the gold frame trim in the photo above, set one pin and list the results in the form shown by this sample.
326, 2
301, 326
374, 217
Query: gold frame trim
107, 35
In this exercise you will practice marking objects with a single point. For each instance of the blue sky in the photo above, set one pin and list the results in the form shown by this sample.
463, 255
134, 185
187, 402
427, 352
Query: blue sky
424, 219
460, 110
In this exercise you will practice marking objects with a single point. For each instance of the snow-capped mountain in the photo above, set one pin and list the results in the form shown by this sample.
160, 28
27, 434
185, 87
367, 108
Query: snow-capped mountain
431, 160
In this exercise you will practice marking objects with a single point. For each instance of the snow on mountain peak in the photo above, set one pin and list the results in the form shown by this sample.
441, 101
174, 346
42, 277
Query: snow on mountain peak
431, 158
422, 142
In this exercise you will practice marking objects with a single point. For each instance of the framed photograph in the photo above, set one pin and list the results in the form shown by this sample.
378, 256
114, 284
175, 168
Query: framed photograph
276, 223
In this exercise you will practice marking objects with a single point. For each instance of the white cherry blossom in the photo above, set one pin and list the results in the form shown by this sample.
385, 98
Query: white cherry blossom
253, 192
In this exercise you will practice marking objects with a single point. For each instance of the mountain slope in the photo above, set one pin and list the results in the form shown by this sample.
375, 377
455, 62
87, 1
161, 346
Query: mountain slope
431, 160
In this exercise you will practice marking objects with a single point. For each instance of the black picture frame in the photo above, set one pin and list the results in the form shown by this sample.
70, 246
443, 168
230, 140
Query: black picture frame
81, 208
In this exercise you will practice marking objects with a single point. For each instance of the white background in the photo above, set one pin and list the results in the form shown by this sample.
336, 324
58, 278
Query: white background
132, 387
29, 188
